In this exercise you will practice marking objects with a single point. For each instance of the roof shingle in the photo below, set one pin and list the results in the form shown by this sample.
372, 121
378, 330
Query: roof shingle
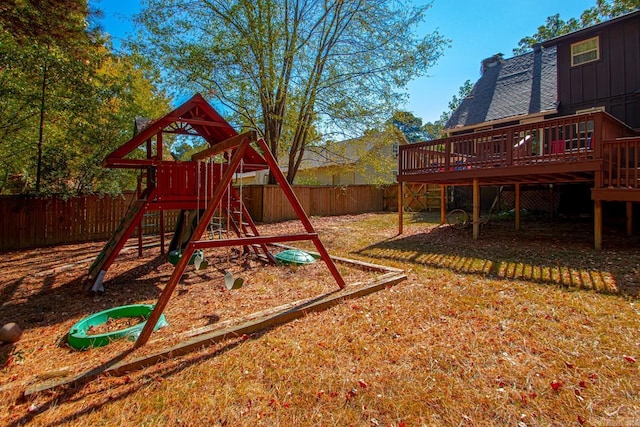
518, 86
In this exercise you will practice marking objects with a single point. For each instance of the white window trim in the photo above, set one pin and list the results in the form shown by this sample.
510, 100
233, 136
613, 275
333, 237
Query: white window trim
597, 49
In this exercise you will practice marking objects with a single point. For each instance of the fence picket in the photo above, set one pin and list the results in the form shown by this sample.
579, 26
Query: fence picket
29, 221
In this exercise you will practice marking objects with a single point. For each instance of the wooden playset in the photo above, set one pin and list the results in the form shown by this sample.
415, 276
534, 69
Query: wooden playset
201, 188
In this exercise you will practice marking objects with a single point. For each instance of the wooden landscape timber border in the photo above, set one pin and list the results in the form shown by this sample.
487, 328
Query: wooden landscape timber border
214, 334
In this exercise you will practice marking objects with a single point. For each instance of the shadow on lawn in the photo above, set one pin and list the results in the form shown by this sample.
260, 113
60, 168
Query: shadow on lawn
53, 302
550, 253
151, 375
154, 372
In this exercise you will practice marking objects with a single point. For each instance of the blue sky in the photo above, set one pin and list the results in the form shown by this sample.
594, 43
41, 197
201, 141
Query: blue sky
477, 29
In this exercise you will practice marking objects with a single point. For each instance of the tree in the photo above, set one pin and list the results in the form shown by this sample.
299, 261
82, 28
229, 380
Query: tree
432, 130
409, 125
54, 44
292, 67
46, 22
124, 87
555, 27
62, 110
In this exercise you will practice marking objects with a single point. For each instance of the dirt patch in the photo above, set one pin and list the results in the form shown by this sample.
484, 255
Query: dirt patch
43, 291
114, 324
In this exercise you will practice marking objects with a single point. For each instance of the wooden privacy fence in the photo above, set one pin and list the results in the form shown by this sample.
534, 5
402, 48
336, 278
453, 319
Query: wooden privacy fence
30, 221
267, 203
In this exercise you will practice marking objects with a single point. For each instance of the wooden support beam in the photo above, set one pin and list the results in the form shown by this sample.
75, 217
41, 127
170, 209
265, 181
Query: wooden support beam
597, 224
517, 207
145, 334
159, 146
115, 162
274, 169
118, 366
256, 240
199, 122
162, 232
629, 218
476, 209
443, 204
225, 145
400, 207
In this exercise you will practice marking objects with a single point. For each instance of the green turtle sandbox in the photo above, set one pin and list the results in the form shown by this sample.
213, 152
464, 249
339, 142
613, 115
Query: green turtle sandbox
295, 256
80, 339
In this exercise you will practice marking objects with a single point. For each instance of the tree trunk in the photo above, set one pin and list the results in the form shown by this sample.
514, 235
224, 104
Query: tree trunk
41, 126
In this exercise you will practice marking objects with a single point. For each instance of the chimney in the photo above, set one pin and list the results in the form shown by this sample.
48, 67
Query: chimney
491, 62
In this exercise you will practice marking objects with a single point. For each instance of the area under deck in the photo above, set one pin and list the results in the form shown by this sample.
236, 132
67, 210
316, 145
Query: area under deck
592, 148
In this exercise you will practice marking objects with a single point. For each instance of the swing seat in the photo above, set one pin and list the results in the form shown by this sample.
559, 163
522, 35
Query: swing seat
230, 283
174, 256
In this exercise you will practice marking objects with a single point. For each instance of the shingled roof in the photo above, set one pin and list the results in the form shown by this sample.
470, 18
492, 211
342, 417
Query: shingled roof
515, 87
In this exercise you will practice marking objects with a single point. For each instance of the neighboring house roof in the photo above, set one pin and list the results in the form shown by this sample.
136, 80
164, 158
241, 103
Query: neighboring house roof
519, 86
346, 152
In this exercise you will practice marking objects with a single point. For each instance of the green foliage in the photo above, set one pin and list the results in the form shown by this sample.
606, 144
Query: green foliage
292, 69
432, 130
555, 26
409, 125
65, 102
55, 23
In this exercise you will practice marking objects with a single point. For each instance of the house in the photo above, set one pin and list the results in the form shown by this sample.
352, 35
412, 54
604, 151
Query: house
510, 91
566, 113
370, 159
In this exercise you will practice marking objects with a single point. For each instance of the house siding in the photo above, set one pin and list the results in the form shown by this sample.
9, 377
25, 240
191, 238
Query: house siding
613, 81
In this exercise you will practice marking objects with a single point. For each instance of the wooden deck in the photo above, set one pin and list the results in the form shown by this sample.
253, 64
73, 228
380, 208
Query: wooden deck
568, 149
593, 148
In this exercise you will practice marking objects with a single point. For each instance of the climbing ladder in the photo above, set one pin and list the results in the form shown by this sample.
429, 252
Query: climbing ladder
242, 224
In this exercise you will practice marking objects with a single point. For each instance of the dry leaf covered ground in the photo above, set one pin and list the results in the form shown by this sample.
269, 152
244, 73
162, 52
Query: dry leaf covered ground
518, 328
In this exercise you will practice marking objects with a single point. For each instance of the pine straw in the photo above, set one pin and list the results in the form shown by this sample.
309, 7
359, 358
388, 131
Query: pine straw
520, 329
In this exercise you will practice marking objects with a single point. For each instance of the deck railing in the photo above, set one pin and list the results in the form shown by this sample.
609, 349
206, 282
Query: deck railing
565, 139
621, 163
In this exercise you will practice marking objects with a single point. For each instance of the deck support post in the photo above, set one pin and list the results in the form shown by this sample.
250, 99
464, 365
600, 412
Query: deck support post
443, 204
629, 218
400, 206
597, 224
476, 209
517, 207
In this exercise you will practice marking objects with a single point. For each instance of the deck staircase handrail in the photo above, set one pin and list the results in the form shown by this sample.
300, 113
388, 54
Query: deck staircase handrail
621, 158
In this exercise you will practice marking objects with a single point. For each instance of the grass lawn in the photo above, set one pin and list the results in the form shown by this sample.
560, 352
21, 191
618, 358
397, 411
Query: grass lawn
517, 328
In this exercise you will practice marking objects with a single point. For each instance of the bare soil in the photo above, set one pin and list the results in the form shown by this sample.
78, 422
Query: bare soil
529, 327
44, 291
